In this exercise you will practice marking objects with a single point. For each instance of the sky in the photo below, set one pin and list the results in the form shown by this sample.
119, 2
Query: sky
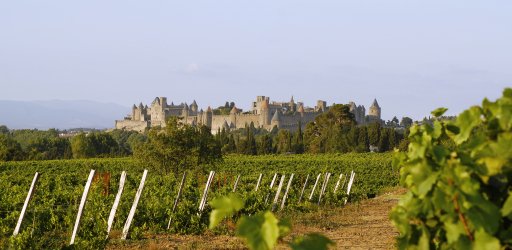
412, 56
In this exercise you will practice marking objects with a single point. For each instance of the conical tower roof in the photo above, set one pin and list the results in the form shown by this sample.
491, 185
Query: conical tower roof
375, 103
234, 110
301, 109
209, 109
194, 103
277, 116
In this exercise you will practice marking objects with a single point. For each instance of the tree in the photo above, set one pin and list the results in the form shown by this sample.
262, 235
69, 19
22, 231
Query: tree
230, 146
49, 149
82, 147
384, 140
374, 130
394, 121
406, 122
298, 140
251, 148
265, 145
178, 146
4, 130
393, 139
363, 143
283, 144
10, 150
325, 133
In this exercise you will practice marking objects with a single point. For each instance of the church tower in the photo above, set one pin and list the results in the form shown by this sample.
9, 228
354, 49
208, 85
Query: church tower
374, 111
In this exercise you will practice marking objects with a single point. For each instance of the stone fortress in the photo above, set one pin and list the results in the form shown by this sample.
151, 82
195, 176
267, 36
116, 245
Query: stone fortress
263, 114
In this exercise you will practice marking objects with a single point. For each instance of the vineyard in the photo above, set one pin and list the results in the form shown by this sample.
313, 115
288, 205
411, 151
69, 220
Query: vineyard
264, 182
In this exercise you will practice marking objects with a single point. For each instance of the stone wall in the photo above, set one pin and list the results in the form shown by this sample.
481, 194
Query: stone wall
131, 125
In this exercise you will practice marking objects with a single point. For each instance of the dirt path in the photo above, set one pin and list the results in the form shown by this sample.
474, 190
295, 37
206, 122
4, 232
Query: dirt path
363, 225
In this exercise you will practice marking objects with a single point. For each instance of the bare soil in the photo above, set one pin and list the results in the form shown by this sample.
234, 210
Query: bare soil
362, 225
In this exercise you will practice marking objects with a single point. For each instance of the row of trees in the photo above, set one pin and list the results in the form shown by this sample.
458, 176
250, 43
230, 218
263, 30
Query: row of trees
49, 145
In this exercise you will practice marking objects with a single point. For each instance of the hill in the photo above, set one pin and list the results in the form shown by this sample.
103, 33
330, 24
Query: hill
60, 114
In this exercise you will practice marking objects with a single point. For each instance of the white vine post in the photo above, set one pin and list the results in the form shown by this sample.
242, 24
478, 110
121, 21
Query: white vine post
25, 205
236, 183
271, 186
314, 187
134, 206
116, 202
209, 185
286, 192
205, 190
81, 207
344, 181
337, 183
276, 198
303, 188
351, 181
273, 180
258, 183
177, 197
205, 195
324, 186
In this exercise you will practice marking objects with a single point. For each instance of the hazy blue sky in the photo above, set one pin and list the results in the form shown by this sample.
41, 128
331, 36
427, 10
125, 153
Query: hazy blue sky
413, 56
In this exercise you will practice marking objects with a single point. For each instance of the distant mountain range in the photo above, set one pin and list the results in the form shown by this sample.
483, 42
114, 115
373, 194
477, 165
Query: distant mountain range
60, 114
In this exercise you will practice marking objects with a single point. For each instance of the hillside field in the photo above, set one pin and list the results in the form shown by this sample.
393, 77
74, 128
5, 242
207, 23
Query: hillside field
51, 214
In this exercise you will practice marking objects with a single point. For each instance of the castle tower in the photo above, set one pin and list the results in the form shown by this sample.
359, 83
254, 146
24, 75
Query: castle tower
209, 117
374, 111
193, 107
139, 113
200, 117
293, 106
265, 113
362, 114
184, 112
163, 102
352, 108
232, 115
134, 109
276, 119
320, 106
301, 110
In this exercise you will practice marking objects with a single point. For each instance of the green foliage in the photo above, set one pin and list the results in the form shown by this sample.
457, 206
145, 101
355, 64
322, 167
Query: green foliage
94, 144
178, 147
459, 178
224, 207
260, 230
4, 129
283, 141
325, 132
10, 150
49, 149
311, 241
51, 213
406, 122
